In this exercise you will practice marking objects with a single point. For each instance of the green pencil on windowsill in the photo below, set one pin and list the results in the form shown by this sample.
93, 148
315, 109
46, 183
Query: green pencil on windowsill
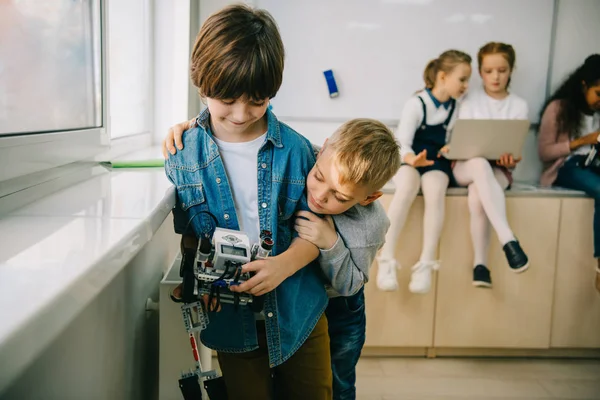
152, 163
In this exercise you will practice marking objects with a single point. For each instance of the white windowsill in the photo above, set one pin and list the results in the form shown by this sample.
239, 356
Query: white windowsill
59, 252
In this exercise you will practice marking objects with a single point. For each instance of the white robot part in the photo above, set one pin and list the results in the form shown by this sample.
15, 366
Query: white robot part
232, 246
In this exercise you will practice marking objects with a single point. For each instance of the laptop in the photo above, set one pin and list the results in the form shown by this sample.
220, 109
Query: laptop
487, 138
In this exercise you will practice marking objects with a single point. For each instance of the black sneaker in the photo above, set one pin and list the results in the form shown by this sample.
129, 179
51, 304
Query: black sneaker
516, 257
481, 276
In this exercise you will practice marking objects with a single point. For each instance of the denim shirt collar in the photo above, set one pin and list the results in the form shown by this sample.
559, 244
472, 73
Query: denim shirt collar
436, 102
273, 132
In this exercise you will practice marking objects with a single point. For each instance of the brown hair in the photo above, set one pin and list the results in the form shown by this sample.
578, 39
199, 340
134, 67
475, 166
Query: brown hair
365, 153
237, 52
446, 62
506, 50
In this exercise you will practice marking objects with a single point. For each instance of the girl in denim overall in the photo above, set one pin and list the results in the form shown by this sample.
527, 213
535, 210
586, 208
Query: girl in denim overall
422, 132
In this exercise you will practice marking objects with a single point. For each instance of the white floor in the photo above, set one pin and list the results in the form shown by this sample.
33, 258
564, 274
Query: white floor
481, 379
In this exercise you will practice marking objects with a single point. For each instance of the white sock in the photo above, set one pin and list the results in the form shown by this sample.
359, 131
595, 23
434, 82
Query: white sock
479, 172
407, 181
434, 185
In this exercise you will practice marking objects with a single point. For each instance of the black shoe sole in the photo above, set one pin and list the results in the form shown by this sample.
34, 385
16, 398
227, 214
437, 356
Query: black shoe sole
482, 284
521, 269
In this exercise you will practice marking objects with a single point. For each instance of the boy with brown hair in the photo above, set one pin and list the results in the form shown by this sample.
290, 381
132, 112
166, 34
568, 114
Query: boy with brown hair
351, 168
248, 170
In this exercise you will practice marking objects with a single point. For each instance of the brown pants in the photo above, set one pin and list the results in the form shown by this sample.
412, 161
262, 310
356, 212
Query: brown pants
305, 375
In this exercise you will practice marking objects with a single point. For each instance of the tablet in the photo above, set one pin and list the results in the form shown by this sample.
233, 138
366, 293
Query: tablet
487, 138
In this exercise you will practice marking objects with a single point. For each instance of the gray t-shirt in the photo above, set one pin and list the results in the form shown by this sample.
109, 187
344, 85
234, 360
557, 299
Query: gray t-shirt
361, 233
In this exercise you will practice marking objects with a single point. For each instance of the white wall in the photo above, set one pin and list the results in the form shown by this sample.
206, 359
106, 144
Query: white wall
110, 351
171, 64
378, 50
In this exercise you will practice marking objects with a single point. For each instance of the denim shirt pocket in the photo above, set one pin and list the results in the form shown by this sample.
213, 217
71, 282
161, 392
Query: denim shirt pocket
288, 200
192, 201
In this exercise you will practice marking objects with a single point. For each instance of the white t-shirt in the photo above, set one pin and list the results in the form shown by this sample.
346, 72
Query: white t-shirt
478, 105
412, 116
241, 165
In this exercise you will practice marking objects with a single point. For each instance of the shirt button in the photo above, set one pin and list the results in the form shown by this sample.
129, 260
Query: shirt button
264, 205
218, 180
226, 216
270, 315
263, 165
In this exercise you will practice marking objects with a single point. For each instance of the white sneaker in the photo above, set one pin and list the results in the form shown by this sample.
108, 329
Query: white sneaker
420, 281
386, 274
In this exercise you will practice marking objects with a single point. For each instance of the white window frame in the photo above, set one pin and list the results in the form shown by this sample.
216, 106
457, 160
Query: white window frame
29, 160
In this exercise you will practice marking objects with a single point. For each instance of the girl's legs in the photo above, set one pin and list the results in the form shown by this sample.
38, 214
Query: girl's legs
479, 173
480, 231
434, 185
407, 182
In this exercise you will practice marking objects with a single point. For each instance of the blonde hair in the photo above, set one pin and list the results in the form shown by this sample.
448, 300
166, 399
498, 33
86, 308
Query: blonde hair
446, 62
365, 153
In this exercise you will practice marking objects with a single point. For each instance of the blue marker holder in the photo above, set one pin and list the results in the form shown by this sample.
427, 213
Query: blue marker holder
331, 85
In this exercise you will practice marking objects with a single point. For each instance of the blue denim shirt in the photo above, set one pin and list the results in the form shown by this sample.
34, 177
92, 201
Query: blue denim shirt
292, 309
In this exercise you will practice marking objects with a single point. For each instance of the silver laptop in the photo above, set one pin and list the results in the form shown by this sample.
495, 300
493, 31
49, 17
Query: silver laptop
487, 138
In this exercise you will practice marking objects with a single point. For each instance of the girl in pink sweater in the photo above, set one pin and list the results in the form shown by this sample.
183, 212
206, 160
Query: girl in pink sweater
570, 126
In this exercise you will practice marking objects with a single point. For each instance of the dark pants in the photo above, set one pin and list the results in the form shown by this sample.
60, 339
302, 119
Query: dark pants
572, 176
305, 375
347, 325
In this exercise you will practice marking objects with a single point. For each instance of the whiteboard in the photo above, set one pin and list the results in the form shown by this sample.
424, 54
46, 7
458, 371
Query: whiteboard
378, 50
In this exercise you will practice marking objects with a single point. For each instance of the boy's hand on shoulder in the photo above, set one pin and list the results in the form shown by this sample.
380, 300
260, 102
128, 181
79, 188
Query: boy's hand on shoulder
268, 274
175, 137
319, 231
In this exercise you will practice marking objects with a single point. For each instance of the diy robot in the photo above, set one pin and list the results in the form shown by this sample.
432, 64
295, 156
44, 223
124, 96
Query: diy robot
211, 270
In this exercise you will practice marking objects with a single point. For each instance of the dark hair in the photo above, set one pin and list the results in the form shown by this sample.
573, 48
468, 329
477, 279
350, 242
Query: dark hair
506, 50
446, 62
237, 52
571, 96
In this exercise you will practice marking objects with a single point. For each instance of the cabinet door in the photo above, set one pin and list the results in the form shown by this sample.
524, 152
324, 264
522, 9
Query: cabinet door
576, 313
516, 312
401, 319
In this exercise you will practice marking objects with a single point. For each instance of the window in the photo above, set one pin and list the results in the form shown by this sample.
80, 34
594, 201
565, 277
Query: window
50, 66
59, 62
52, 89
